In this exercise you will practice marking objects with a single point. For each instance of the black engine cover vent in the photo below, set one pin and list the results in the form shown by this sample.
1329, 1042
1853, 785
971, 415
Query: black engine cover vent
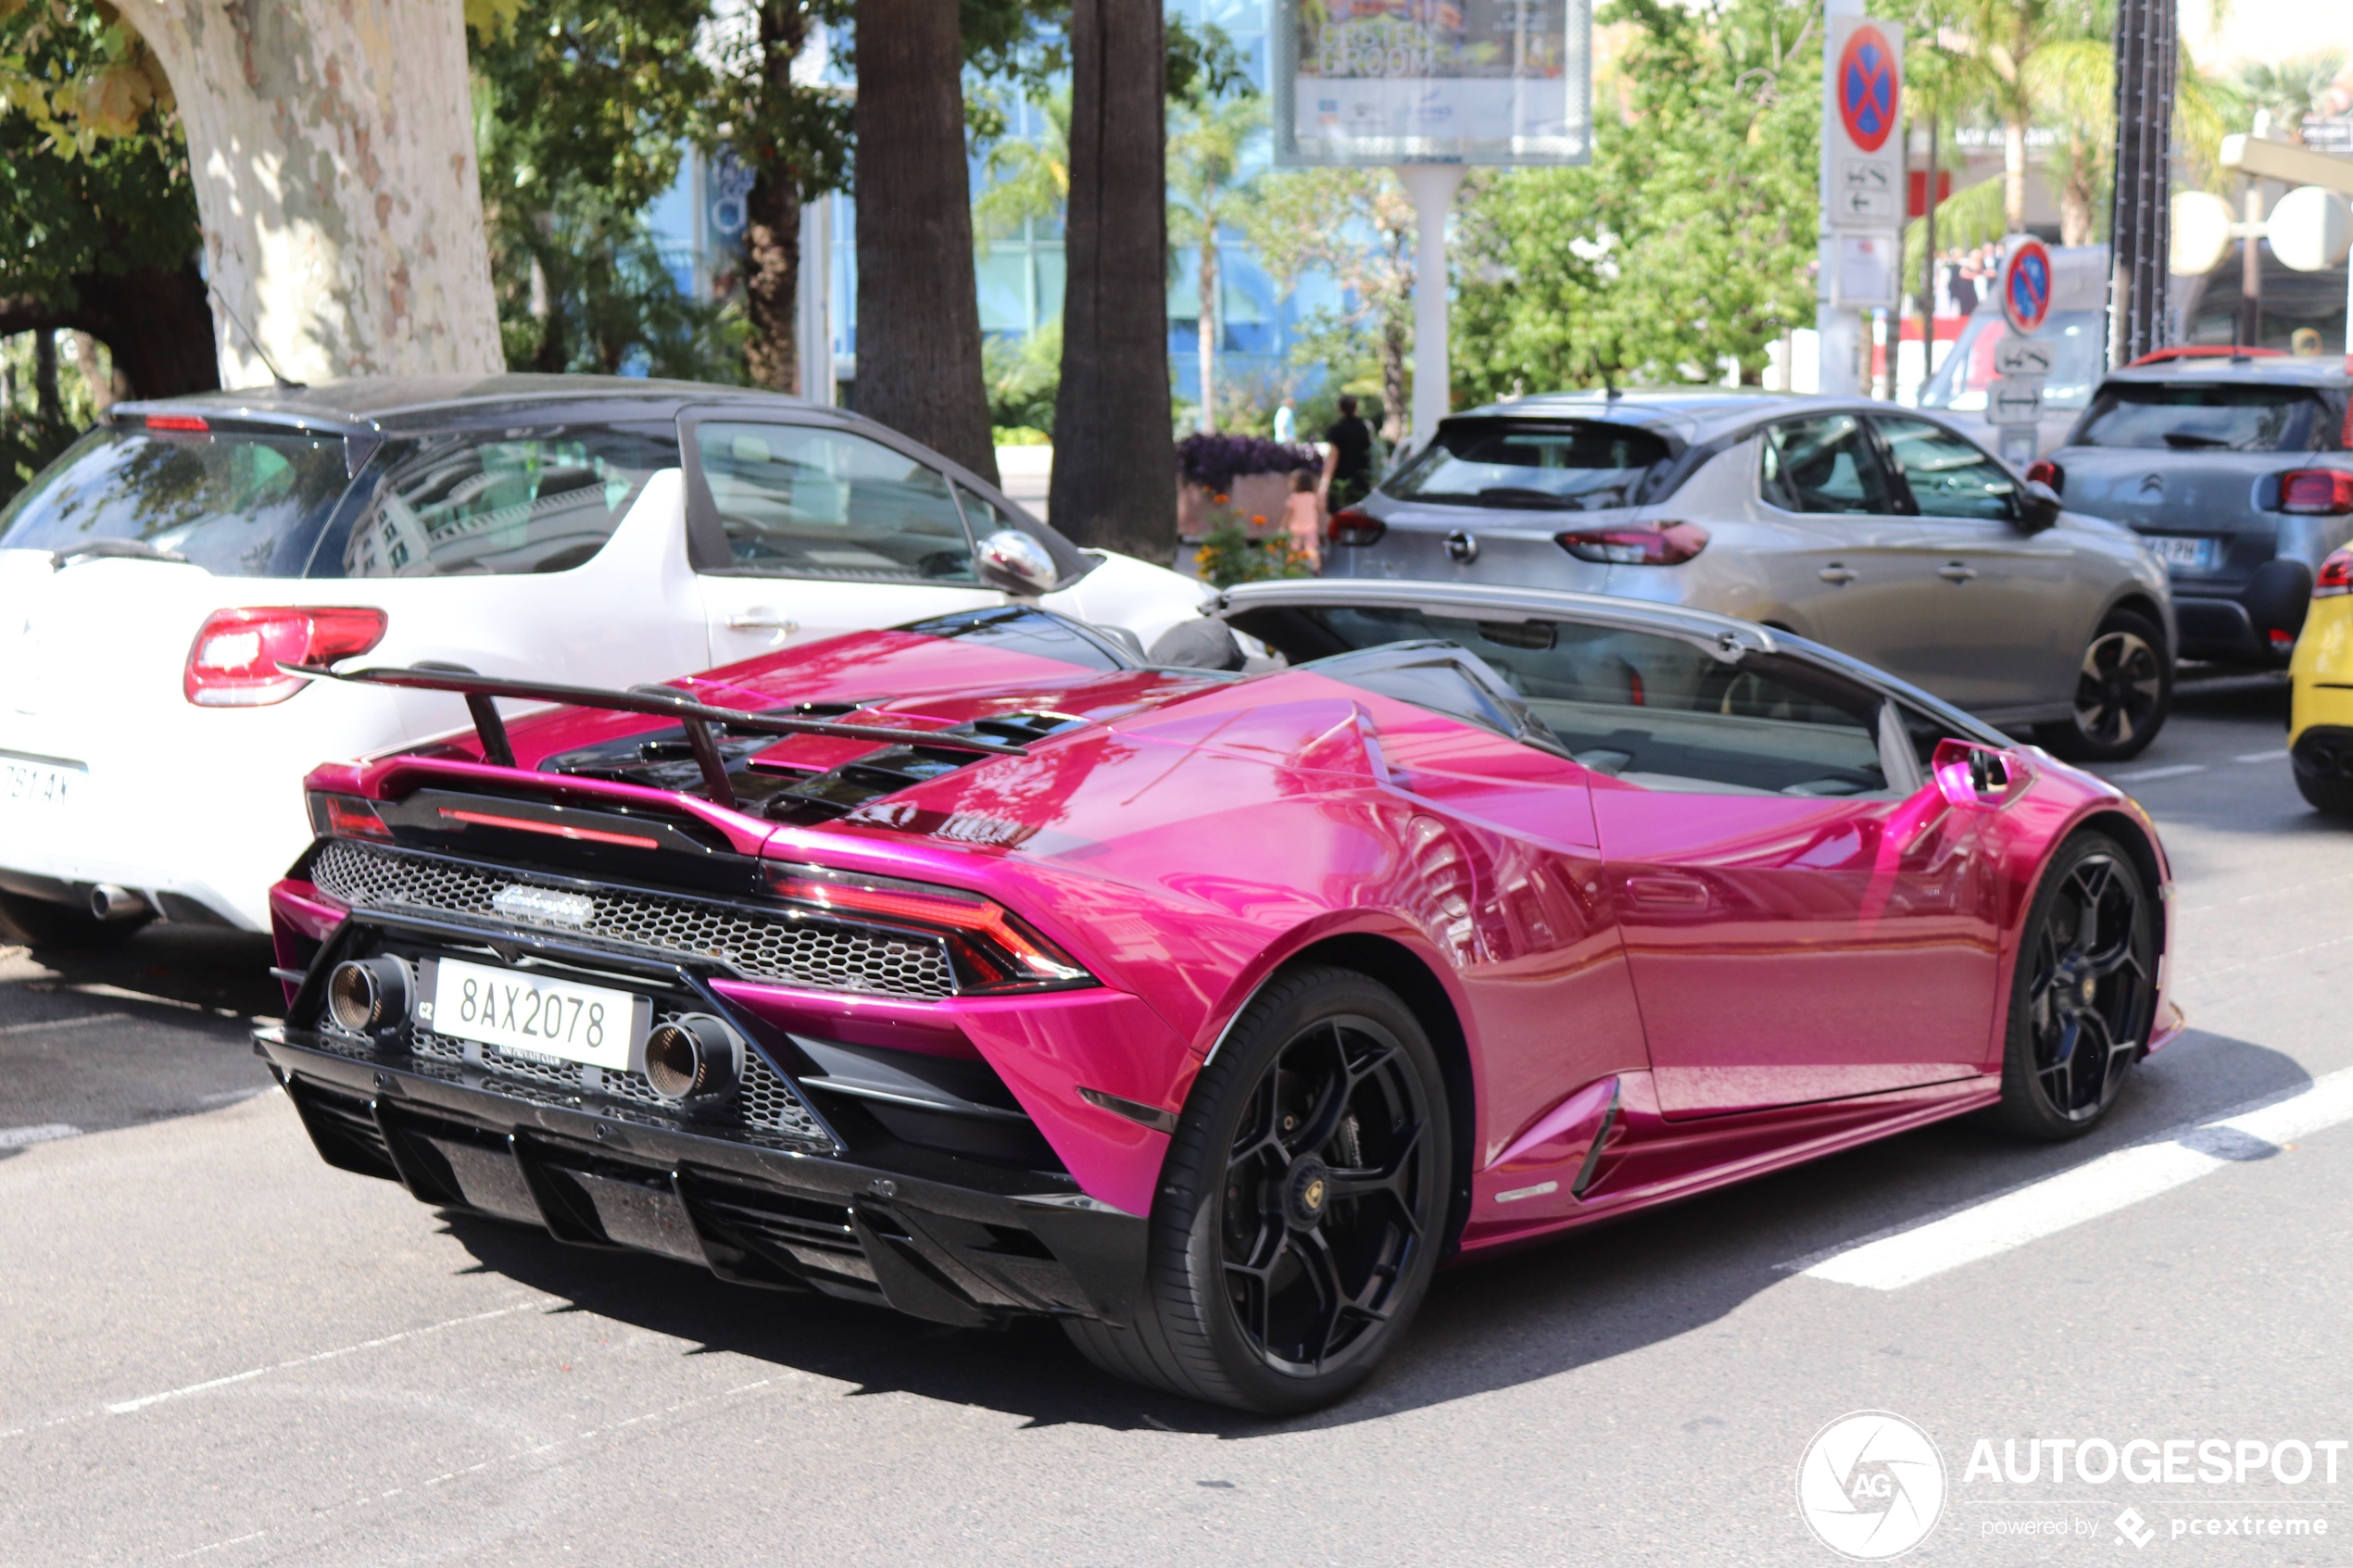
808, 801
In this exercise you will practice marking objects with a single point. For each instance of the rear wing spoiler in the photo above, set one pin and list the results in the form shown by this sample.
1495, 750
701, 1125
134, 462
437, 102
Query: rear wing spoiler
699, 719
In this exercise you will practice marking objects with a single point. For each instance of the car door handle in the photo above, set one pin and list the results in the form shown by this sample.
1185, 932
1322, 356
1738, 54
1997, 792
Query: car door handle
763, 621
1836, 573
1667, 892
1953, 571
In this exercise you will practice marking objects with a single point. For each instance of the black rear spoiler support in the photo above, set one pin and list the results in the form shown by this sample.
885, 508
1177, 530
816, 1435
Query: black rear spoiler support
697, 719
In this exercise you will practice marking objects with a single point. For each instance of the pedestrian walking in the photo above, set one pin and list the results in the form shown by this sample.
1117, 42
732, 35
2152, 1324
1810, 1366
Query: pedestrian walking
1348, 459
1286, 423
1303, 517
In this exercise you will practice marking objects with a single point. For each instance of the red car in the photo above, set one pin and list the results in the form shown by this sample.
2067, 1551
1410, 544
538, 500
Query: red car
980, 967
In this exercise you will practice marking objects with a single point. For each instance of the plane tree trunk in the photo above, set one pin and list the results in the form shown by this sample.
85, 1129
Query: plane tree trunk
330, 144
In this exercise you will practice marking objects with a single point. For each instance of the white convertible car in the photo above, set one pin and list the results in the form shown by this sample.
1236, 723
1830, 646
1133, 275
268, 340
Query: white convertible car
599, 532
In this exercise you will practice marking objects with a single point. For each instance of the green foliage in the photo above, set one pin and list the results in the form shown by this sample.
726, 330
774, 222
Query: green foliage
74, 201
1228, 555
1024, 376
581, 113
1689, 238
1203, 66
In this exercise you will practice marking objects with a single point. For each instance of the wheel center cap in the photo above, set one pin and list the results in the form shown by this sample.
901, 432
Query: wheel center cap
1306, 1190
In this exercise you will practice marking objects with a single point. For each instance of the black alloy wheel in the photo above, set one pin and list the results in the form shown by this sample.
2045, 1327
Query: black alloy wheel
1301, 1204
2084, 997
2123, 690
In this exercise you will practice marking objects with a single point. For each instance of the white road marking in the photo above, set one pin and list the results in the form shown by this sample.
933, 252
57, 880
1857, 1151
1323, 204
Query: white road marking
218, 1545
2176, 770
61, 1023
126, 1407
2100, 1187
2279, 756
47, 1132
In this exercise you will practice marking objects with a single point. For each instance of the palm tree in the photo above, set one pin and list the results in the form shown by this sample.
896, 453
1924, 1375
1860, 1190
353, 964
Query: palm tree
1208, 192
2291, 89
1027, 181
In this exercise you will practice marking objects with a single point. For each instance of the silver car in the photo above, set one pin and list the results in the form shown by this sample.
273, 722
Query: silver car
1879, 531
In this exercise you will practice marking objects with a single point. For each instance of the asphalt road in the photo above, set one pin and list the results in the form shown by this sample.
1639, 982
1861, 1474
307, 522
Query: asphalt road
214, 1348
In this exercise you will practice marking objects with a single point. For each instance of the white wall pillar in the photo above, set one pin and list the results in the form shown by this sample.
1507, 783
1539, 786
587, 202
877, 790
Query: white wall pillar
1432, 188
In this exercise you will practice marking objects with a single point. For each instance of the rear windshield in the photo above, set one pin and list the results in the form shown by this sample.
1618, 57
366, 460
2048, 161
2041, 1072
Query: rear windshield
238, 506
2186, 416
499, 501
1571, 465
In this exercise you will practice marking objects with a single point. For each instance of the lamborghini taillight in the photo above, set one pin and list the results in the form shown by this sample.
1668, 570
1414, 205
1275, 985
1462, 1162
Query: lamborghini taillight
990, 949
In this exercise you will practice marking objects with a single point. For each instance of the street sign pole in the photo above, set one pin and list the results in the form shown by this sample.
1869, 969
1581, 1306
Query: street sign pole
1859, 253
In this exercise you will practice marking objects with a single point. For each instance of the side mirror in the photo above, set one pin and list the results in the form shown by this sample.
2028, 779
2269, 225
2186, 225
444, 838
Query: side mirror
1977, 777
2038, 507
1013, 560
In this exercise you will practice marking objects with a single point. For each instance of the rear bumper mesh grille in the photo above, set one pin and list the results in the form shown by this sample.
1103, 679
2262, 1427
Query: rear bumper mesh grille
751, 942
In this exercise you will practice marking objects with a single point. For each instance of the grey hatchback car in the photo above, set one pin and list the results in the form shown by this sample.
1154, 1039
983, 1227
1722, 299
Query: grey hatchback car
1883, 532
2238, 470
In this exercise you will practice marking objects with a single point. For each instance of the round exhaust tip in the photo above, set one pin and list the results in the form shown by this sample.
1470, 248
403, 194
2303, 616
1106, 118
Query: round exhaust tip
693, 1057
366, 995
110, 902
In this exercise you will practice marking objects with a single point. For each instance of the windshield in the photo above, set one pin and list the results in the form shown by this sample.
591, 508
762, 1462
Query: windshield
1659, 711
1571, 465
2075, 339
237, 504
2186, 417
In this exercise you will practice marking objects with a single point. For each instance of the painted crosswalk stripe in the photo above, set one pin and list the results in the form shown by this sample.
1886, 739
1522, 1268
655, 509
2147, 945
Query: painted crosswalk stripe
2101, 1186
2279, 756
47, 1132
2176, 770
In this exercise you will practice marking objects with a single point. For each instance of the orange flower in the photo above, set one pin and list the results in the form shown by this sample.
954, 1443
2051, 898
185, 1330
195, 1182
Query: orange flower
1221, 500
1258, 520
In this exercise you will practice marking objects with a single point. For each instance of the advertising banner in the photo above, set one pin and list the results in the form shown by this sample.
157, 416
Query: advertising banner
1386, 81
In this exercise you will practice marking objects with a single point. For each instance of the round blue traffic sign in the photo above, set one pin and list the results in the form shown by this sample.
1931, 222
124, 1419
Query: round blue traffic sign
2026, 285
1868, 88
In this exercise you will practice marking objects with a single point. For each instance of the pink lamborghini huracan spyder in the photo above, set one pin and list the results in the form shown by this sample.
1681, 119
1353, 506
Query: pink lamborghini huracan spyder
980, 967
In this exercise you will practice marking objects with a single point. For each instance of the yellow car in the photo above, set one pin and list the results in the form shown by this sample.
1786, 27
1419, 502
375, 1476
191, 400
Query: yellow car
2320, 716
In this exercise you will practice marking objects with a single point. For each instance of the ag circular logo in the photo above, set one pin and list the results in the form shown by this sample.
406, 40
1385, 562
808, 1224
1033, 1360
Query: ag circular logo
1867, 89
1871, 1485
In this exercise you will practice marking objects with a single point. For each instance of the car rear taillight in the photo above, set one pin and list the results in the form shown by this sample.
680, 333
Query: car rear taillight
1636, 543
1349, 526
2045, 472
2337, 576
992, 950
346, 816
234, 662
189, 424
2327, 492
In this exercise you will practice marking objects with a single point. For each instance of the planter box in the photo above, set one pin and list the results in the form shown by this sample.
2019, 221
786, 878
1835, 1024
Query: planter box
1254, 494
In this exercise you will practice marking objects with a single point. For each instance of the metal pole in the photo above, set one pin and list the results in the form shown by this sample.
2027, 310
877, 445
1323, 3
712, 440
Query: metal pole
1432, 187
2141, 218
1838, 334
1928, 260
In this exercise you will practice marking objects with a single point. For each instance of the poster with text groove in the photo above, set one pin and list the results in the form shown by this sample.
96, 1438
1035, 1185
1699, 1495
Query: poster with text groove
1379, 82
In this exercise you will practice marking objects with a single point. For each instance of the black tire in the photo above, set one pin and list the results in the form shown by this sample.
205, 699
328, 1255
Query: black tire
1301, 1208
2123, 690
2083, 993
37, 923
2325, 793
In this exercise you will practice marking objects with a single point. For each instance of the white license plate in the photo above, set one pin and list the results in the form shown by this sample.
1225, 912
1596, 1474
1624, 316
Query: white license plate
2179, 550
40, 785
533, 1017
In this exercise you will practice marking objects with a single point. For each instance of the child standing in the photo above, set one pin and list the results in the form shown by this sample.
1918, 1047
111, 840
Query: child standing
1303, 517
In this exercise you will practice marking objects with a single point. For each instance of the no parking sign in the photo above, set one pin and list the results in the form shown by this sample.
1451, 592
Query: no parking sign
2025, 284
1862, 110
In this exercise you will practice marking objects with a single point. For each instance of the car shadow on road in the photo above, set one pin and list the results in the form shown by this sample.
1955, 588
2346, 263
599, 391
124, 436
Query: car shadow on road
1488, 1325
